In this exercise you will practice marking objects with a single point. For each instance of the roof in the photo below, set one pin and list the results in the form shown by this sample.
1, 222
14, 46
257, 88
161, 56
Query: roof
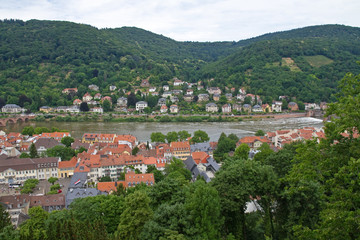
55, 135
271, 134
48, 200
190, 164
75, 193
251, 139
141, 102
180, 145
200, 157
203, 147
68, 164
109, 186
47, 143
131, 177
19, 164
11, 106
77, 144
75, 183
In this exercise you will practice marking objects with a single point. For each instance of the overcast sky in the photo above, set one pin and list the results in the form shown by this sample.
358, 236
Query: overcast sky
191, 20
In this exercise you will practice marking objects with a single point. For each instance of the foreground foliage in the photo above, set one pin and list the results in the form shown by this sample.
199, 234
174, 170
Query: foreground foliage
307, 190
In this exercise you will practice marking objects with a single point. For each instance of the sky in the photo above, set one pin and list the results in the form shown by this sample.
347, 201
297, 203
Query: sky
191, 20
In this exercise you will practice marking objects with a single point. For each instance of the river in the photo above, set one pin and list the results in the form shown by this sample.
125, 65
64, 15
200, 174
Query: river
143, 130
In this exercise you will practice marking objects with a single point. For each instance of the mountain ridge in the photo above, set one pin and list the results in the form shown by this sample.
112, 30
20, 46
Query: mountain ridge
51, 55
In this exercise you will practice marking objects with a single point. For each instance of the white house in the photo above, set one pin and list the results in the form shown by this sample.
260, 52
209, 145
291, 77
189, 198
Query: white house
97, 110
141, 105
12, 108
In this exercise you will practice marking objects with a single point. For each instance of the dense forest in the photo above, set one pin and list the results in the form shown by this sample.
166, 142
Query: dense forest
40, 58
307, 190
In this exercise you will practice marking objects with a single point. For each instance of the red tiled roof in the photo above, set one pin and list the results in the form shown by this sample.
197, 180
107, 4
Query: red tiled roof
251, 139
134, 179
282, 132
200, 157
149, 160
68, 164
109, 186
55, 135
271, 134
180, 145
320, 135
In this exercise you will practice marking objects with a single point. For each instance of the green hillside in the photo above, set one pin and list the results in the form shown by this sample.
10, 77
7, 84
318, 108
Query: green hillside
40, 58
308, 69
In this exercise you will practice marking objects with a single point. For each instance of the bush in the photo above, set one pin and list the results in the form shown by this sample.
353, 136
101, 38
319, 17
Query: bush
29, 186
55, 187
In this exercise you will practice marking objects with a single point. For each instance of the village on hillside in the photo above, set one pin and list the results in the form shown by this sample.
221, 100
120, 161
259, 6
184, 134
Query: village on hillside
105, 163
177, 97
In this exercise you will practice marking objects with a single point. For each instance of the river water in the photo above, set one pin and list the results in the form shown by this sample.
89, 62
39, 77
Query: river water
143, 130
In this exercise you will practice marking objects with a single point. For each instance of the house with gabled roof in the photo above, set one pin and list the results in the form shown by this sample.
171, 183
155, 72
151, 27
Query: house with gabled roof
87, 97
226, 108
180, 150
163, 109
254, 142
211, 107
174, 108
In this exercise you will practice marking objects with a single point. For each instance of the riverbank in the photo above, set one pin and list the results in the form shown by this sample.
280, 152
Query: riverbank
113, 117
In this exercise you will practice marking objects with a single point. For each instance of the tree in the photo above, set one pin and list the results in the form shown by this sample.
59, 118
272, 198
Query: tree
105, 179
40, 130
264, 152
242, 151
84, 107
200, 136
345, 109
136, 213
33, 151
260, 133
223, 100
52, 180
168, 222
183, 135
202, 203
178, 166
107, 208
235, 186
65, 153
67, 141
158, 175
28, 131
157, 137
247, 100
131, 100
34, 228
24, 155
29, 186
64, 225
233, 137
135, 151
172, 137
5, 219
107, 106
9, 233
225, 145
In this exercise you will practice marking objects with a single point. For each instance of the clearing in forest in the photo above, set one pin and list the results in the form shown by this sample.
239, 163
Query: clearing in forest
290, 63
318, 60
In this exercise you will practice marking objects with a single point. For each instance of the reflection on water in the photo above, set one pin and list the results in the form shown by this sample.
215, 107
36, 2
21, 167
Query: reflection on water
143, 130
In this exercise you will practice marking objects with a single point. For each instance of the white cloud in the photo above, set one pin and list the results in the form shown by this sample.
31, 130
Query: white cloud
191, 20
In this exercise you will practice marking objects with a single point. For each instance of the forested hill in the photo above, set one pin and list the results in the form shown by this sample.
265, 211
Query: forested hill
331, 31
40, 58
307, 68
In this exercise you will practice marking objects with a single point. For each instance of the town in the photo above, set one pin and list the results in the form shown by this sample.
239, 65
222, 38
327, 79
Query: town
179, 97
100, 163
